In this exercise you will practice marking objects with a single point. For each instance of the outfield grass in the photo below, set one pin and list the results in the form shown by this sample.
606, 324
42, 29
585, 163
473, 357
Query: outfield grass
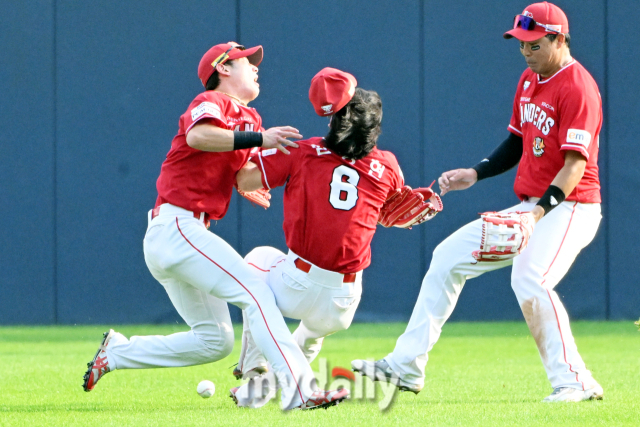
479, 374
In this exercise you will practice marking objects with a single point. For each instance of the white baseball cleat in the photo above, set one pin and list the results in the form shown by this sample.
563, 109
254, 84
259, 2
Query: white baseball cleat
381, 371
568, 394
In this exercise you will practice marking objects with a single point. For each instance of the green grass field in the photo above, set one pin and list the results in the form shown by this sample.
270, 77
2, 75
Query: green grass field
479, 374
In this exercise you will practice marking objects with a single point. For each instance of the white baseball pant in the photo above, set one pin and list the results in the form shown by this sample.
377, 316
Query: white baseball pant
201, 273
556, 241
320, 298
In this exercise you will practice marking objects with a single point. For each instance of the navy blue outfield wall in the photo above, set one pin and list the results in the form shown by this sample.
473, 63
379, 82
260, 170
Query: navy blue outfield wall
92, 92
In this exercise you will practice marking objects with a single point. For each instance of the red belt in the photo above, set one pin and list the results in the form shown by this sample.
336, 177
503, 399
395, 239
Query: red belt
156, 211
306, 267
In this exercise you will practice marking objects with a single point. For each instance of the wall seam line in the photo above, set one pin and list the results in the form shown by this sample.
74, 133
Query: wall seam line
421, 85
607, 238
55, 162
239, 205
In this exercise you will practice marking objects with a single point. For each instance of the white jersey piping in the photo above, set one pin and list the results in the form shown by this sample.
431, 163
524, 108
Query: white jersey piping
541, 82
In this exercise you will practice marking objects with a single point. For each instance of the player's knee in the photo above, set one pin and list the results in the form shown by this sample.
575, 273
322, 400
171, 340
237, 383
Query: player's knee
524, 279
218, 343
227, 346
441, 257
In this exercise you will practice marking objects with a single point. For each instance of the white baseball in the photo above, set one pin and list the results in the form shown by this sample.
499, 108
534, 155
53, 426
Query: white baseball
206, 389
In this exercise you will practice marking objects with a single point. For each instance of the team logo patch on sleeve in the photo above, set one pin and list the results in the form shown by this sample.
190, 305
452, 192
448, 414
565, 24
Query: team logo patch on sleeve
208, 108
578, 136
538, 146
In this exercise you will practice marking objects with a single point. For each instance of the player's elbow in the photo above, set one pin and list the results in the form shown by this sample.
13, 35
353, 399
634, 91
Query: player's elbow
194, 139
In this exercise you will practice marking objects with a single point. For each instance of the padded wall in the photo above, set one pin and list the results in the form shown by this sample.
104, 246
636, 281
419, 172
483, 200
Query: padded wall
92, 94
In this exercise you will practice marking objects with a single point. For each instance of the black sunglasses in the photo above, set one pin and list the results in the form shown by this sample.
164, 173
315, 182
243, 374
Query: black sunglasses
529, 24
225, 56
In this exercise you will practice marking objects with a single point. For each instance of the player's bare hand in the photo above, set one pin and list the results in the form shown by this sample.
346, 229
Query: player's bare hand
457, 179
276, 137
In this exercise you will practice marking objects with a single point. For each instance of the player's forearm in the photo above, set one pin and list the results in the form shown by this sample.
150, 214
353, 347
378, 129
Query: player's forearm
249, 178
206, 137
503, 158
562, 185
571, 173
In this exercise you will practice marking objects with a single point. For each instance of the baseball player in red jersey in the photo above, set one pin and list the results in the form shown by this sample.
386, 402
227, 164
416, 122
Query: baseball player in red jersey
554, 131
335, 190
200, 272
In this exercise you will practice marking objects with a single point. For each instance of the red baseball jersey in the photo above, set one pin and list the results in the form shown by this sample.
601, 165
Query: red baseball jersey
562, 112
202, 181
331, 204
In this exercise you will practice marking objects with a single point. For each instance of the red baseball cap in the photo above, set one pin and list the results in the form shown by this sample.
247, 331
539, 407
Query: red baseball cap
331, 90
221, 53
538, 20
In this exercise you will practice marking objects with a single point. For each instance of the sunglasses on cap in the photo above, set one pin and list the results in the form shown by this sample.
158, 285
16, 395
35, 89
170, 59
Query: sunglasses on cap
225, 56
529, 24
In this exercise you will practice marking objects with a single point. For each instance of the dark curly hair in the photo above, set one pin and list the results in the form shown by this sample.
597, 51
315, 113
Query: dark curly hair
354, 130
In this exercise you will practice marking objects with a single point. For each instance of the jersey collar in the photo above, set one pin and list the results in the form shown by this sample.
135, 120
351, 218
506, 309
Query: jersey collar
541, 81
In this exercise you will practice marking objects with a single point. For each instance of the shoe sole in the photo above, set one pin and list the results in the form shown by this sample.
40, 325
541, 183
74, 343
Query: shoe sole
233, 397
326, 405
87, 374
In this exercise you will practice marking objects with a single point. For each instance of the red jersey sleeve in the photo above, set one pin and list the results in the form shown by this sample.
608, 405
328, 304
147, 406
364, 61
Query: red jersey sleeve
580, 110
275, 166
207, 106
397, 177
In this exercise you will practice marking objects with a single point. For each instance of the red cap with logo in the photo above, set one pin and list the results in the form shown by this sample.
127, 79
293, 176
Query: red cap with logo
221, 53
331, 90
538, 20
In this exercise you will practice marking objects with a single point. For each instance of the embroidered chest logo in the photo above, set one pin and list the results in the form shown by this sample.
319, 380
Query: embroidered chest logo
531, 113
538, 146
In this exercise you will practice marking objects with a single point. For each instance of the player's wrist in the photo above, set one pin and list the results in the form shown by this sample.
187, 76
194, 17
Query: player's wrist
537, 212
551, 198
243, 140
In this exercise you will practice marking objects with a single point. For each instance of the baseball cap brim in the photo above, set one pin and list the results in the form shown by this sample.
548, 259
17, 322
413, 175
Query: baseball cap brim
526, 35
253, 54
